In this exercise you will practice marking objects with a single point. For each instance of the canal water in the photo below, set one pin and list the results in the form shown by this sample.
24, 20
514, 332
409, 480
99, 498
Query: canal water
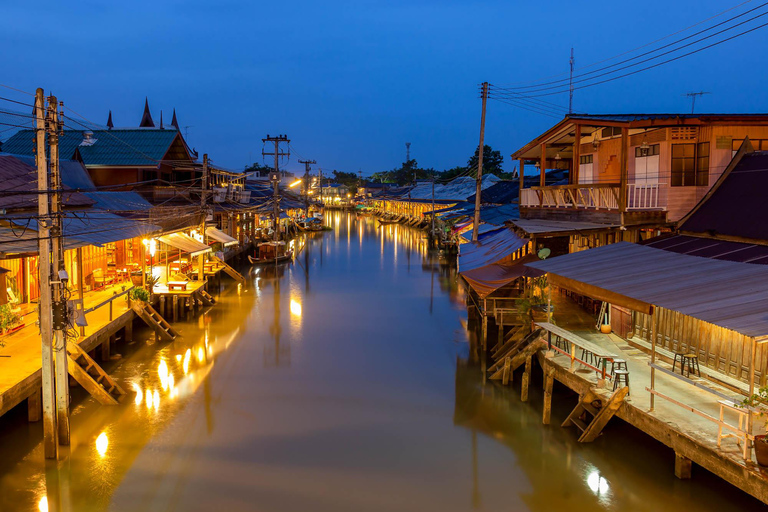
343, 382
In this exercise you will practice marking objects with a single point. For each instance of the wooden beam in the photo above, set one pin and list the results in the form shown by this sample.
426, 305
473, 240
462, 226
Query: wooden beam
522, 181
543, 165
600, 294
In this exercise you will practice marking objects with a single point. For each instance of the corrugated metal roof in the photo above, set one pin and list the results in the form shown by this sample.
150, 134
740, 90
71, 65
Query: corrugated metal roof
185, 243
458, 189
711, 248
504, 191
116, 147
489, 249
538, 226
648, 117
80, 228
17, 175
725, 293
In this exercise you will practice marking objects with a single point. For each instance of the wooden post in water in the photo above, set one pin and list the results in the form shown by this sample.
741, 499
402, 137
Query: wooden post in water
526, 379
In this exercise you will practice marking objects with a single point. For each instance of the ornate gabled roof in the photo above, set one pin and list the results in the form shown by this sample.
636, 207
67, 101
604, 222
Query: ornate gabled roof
146, 119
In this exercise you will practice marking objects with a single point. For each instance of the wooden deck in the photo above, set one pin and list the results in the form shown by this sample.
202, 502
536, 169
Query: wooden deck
692, 436
20, 373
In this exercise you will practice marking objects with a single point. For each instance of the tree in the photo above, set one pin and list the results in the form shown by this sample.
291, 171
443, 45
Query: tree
349, 179
492, 161
258, 169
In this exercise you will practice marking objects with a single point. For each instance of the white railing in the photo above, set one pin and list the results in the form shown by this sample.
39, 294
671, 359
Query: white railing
646, 196
640, 196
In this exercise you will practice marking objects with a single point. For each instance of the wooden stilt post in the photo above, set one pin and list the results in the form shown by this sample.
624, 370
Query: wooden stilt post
175, 306
549, 382
682, 467
128, 334
35, 406
505, 372
526, 379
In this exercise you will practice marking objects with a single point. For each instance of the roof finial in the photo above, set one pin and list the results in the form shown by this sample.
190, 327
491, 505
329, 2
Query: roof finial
110, 124
161, 119
146, 119
174, 122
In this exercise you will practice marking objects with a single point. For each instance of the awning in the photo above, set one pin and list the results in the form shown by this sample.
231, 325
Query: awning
486, 280
220, 236
490, 248
728, 294
185, 243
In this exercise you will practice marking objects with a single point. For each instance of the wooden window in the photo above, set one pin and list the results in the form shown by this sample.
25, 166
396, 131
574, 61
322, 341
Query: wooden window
610, 131
683, 165
586, 159
690, 164
702, 163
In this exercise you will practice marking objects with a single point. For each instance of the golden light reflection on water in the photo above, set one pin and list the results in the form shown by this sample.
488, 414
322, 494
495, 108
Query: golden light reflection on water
102, 443
295, 307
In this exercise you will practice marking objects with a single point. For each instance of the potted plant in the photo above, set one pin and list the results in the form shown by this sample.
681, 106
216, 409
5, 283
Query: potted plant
760, 401
7, 319
534, 303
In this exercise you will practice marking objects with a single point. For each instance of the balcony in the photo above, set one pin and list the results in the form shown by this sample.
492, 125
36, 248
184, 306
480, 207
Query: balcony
597, 196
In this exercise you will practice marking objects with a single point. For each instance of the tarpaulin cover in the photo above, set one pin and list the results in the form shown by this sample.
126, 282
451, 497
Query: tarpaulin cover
220, 236
486, 280
185, 243
489, 249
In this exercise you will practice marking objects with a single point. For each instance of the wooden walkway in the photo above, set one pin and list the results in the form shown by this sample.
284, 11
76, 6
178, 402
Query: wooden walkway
21, 372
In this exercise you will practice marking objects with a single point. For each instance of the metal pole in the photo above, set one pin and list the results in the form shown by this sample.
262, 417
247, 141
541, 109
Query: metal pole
480, 149
50, 431
433, 207
653, 355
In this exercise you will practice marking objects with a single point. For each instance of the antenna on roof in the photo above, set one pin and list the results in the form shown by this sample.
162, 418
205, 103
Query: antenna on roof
693, 95
570, 85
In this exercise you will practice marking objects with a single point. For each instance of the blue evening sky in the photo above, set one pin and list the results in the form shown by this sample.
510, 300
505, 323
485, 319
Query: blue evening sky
351, 81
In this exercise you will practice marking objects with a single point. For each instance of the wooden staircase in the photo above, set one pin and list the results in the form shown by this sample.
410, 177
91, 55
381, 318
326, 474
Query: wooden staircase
511, 363
206, 297
234, 274
516, 341
600, 415
153, 319
92, 376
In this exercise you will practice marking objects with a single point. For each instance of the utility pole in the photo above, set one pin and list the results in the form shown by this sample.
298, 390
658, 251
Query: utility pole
321, 188
693, 95
433, 207
275, 178
407, 151
59, 301
305, 187
570, 85
480, 163
204, 210
50, 431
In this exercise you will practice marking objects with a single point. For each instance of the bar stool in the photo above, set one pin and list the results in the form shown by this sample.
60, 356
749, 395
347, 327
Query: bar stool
620, 377
587, 356
618, 364
691, 362
562, 343
680, 356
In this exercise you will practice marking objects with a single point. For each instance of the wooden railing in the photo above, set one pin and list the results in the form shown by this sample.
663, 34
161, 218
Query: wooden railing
596, 196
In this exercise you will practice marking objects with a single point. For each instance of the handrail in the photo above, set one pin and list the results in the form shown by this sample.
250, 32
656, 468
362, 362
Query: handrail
574, 186
115, 296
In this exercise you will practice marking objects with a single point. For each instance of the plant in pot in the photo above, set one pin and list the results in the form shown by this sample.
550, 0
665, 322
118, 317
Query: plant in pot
759, 401
533, 304
7, 319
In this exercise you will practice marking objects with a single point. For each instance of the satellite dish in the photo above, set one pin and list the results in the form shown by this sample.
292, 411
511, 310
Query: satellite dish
543, 253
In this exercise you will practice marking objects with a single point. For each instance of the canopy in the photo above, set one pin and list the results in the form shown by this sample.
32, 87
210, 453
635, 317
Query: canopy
489, 249
486, 280
728, 294
185, 243
220, 236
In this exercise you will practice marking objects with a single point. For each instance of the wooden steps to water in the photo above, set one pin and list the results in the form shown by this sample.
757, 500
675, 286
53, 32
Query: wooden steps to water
517, 341
92, 377
591, 406
206, 297
234, 274
510, 364
153, 319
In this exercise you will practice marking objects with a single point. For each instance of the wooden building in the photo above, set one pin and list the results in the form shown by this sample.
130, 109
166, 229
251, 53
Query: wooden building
632, 176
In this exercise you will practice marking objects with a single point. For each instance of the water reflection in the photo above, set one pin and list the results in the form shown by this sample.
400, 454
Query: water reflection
344, 381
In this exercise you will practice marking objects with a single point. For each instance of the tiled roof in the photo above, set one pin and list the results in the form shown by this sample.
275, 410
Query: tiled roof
16, 175
116, 147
